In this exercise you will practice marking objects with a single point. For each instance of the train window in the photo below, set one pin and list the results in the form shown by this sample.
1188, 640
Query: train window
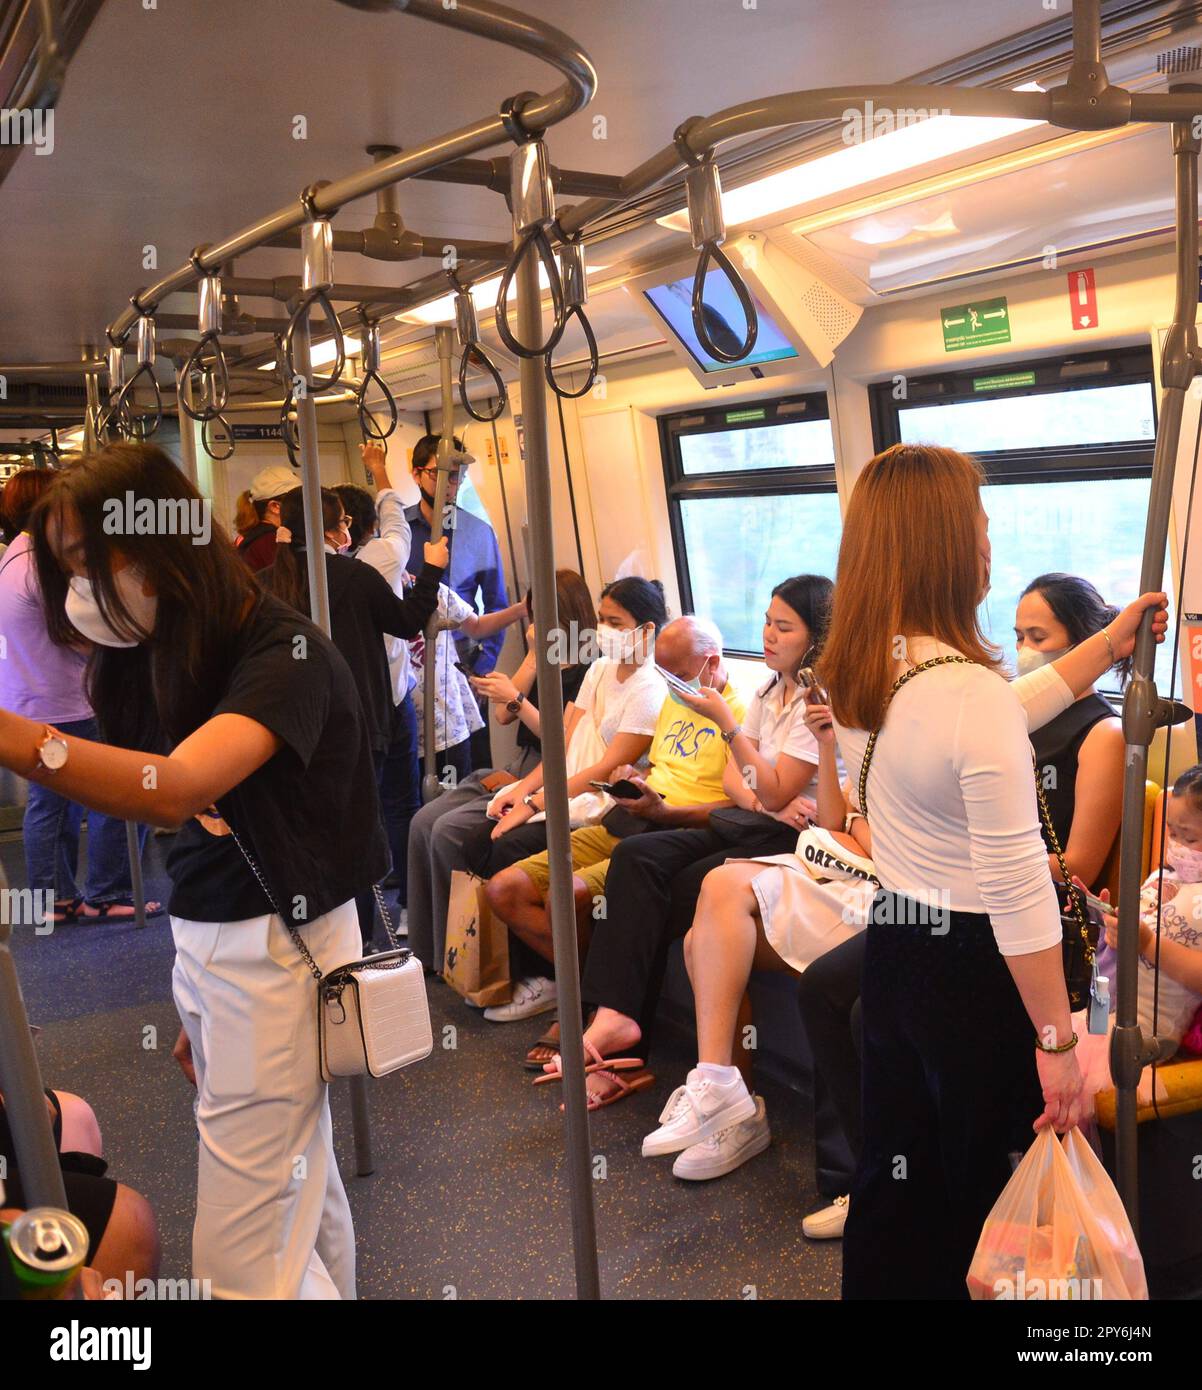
751, 493
1067, 446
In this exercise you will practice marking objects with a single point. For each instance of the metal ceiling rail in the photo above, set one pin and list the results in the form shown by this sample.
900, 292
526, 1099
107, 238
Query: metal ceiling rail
1085, 101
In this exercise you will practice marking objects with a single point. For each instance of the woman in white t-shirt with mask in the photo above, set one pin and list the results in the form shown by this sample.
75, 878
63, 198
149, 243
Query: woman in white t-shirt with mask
607, 726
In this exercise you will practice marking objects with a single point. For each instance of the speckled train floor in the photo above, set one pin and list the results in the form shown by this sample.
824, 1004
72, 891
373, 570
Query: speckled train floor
469, 1197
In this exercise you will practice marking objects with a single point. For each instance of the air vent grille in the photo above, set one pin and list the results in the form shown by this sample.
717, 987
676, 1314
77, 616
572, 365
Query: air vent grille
1184, 58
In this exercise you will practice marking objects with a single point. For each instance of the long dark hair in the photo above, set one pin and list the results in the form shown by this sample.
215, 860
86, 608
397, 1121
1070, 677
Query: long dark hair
809, 596
643, 599
290, 572
1079, 609
205, 593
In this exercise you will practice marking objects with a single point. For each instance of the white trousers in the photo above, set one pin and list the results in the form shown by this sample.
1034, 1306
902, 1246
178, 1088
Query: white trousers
272, 1218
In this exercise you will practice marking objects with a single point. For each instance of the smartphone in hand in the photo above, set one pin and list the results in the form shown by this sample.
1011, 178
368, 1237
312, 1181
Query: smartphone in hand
809, 683
623, 789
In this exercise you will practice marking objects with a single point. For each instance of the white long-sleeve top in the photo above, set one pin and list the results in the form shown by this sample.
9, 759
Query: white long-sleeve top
951, 795
389, 553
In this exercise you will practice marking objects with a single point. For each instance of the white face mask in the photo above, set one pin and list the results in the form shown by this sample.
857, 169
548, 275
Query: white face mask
83, 611
1186, 863
1031, 659
614, 642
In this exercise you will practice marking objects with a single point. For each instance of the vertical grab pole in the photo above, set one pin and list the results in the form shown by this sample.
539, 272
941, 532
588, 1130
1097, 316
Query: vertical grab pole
91, 383
1130, 1051
135, 872
187, 430
319, 608
21, 1085
444, 342
561, 900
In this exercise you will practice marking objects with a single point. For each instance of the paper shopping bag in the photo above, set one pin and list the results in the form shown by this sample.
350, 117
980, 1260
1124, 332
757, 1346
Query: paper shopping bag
476, 964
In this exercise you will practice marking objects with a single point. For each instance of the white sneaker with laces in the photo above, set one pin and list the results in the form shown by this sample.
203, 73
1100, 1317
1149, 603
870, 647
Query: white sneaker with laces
533, 995
696, 1110
828, 1223
725, 1151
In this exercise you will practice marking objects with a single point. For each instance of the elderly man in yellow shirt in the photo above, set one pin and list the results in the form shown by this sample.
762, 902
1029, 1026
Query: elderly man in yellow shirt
637, 874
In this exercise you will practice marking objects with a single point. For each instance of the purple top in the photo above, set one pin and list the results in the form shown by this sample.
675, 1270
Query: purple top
38, 679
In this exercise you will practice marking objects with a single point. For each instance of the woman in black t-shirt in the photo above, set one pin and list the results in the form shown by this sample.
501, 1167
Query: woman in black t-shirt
223, 711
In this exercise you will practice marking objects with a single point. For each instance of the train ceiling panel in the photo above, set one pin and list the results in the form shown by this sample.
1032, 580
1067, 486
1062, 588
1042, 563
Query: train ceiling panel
177, 124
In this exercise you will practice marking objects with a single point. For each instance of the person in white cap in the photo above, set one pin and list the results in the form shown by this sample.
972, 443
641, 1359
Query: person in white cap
266, 488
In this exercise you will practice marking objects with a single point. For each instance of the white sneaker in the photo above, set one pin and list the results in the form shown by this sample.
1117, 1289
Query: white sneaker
725, 1151
696, 1110
533, 995
828, 1223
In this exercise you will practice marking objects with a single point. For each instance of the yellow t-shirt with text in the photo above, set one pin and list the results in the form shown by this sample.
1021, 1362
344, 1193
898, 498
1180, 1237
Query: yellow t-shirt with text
688, 755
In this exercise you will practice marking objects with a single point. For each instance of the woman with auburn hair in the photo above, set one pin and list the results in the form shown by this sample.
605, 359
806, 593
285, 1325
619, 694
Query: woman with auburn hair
965, 929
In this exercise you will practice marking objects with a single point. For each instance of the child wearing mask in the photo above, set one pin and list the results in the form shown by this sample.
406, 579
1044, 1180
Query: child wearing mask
1179, 925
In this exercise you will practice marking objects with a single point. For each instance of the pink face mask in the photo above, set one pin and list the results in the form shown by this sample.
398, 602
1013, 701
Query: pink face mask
1186, 863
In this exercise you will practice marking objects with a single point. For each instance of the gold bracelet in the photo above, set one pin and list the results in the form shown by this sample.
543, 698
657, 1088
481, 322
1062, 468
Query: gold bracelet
1109, 645
1064, 1047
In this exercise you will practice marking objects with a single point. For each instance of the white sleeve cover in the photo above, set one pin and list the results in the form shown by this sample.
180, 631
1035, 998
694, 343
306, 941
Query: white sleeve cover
1043, 694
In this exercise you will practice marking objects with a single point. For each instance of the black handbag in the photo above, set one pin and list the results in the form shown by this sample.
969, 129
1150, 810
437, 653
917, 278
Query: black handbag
736, 825
1079, 925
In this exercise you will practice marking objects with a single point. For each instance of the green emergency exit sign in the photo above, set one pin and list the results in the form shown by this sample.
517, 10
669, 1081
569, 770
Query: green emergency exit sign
982, 324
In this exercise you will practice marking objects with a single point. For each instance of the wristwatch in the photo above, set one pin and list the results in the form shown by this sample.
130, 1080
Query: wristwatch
52, 751
515, 704
528, 800
730, 737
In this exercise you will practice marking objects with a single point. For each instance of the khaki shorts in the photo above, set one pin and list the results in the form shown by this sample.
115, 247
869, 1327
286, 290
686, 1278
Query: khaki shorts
591, 847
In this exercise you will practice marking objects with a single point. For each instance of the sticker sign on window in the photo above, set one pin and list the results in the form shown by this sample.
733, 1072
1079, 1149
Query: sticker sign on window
738, 417
1082, 299
981, 324
1003, 382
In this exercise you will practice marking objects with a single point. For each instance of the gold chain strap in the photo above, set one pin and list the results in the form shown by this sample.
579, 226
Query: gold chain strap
1074, 892
1053, 839
897, 685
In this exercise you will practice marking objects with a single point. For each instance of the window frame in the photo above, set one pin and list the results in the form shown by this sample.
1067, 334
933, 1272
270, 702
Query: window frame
1058, 464
1053, 375
761, 482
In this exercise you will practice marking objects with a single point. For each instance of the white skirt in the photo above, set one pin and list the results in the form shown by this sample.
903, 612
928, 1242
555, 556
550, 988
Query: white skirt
804, 919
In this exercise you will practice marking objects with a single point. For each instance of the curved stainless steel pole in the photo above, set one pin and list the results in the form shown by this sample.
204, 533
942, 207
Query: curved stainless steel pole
475, 16
319, 610
560, 898
1130, 1050
444, 341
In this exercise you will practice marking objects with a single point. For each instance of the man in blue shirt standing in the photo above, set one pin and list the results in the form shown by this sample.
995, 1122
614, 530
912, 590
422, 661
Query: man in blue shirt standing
475, 567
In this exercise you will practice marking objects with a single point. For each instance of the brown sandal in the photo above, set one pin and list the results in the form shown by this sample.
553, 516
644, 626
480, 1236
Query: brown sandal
547, 1043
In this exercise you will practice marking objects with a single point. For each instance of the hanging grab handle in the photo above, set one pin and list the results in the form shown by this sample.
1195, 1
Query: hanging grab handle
206, 438
468, 332
371, 372
475, 353
575, 293
532, 201
315, 298
534, 239
317, 278
119, 418
707, 226
206, 364
709, 324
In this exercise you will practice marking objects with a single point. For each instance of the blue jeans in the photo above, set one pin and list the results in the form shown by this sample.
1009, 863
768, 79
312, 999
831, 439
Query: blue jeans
400, 790
52, 825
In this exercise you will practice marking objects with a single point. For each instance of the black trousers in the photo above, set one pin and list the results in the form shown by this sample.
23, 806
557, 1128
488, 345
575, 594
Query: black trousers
828, 995
651, 894
950, 1091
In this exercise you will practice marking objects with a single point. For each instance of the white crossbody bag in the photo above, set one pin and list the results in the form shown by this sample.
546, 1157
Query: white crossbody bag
373, 1016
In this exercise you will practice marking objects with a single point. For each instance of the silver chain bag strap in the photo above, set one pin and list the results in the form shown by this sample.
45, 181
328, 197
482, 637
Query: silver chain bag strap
373, 1016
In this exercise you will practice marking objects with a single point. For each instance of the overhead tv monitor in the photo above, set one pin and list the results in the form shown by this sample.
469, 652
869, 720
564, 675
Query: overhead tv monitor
786, 295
